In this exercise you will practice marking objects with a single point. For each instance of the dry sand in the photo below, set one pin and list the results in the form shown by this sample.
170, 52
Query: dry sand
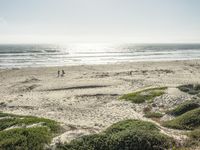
86, 99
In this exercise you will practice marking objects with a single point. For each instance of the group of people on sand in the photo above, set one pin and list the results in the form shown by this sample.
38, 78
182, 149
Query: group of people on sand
61, 73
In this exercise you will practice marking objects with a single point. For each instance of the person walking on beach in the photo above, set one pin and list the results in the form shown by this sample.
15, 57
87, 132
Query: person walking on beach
63, 73
58, 73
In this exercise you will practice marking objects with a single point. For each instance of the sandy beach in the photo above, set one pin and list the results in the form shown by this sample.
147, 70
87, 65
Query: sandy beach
86, 99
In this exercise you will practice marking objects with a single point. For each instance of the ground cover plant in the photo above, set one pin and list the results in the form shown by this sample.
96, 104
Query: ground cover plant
124, 135
190, 88
153, 115
183, 108
146, 95
189, 120
26, 132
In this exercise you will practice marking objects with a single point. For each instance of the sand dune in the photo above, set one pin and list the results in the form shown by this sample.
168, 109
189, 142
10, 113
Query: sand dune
87, 97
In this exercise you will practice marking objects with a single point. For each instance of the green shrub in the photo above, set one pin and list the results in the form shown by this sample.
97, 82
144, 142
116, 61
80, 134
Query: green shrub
144, 95
153, 115
53, 125
25, 138
189, 120
130, 125
185, 107
124, 135
22, 138
28, 120
190, 88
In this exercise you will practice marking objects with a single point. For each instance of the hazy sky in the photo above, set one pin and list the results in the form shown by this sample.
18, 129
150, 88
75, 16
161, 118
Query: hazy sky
33, 21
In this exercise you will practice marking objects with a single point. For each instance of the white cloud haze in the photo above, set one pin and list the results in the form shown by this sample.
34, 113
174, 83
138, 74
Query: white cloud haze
135, 21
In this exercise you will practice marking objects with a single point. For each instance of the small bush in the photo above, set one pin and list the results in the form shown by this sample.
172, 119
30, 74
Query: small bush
144, 95
51, 124
25, 138
27, 120
190, 88
124, 135
189, 120
130, 125
22, 138
153, 115
185, 107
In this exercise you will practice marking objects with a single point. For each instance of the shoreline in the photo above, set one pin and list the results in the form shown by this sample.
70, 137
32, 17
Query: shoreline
100, 64
106, 64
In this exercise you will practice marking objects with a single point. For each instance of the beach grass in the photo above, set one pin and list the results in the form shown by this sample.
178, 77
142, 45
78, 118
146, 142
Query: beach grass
26, 132
153, 115
128, 134
192, 89
188, 121
146, 95
28, 120
25, 138
184, 107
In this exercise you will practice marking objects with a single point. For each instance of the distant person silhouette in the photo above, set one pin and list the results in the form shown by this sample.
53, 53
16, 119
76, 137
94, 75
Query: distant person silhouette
58, 73
63, 73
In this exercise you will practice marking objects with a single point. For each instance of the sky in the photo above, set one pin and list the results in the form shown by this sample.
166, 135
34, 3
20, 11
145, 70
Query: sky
135, 21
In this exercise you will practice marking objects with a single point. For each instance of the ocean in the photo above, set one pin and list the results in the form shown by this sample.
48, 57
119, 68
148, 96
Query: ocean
40, 55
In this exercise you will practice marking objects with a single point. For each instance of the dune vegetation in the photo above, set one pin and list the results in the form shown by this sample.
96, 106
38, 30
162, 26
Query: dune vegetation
26, 132
192, 89
188, 121
128, 134
153, 115
184, 107
146, 95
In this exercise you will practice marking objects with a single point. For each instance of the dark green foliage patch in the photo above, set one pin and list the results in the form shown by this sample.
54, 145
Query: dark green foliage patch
192, 89
183, 108
25, 138
15, 135
124, 135
189, 120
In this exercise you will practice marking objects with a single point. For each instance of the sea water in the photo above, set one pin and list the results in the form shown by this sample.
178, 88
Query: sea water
40, 55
